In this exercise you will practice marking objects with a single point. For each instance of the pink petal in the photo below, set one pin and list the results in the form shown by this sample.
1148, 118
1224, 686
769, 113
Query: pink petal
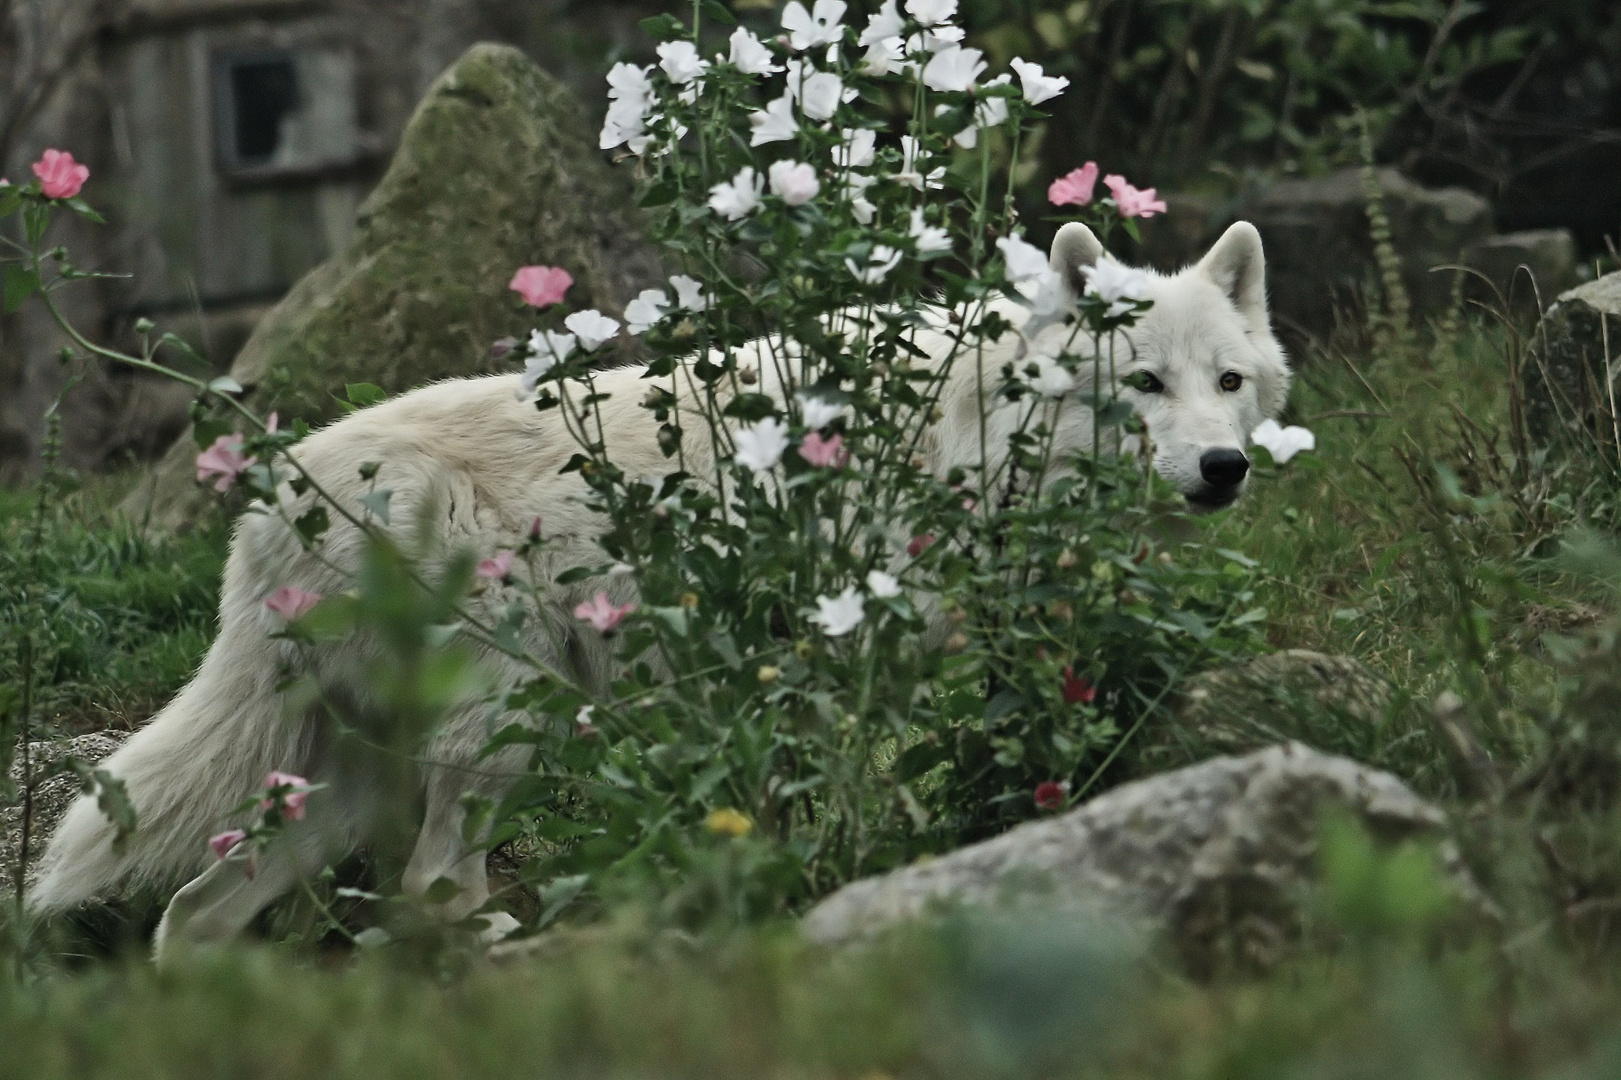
541, 286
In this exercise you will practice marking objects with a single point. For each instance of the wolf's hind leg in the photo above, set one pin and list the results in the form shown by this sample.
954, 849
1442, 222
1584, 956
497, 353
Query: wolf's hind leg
442, 851
218, 904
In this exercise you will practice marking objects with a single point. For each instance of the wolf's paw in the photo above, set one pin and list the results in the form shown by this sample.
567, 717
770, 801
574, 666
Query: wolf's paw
497, 925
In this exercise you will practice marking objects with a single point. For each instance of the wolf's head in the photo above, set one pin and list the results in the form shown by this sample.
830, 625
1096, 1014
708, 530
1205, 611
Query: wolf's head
1201, 367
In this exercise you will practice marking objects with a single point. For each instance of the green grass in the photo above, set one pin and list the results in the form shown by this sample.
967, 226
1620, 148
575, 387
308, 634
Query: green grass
124, 615
1403, 542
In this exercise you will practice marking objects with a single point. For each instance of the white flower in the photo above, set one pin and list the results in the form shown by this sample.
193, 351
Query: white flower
738, 197
775, 123
689, 294
882, 585
1048, 298
1023, 260
927, 238
819, 26
953, 70
910, 172
1283, 443
857, 150
879, 264
855, 187
885, 23
630, 96
988, 113
627, 82
760, 446
838, 615
681, 62
931, 12
883, 57
1038, 87
647, 309
794, 181
1120, 285
546, 351
620, 569
749, 56
820, 94
818, 412
939, 39
592, 327
1052, 380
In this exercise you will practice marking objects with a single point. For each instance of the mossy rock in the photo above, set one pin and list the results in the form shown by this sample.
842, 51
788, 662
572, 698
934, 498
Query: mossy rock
1566, 384
496, 170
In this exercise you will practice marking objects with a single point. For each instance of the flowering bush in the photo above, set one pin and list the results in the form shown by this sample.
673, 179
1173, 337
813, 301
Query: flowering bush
885, 598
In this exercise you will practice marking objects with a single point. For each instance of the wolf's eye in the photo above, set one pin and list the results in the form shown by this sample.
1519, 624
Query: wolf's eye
1144, 381
1231, 381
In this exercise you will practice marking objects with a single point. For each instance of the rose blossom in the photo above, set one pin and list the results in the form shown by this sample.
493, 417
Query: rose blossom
60, 177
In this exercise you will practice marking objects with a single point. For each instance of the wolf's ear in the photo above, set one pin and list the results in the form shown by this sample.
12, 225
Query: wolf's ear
1073, 248
1238, 268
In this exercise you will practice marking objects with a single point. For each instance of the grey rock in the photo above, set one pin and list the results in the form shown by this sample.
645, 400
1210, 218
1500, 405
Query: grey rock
51, 797
1566, 383
1215, 857
1319, 251
1548, 259
497, 169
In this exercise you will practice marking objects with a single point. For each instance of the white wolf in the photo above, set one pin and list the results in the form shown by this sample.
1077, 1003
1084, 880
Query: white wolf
1203, 369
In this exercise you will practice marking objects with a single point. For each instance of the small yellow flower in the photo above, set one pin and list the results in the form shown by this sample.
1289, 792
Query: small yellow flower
768, 673
804, 649
689, 600
728, 822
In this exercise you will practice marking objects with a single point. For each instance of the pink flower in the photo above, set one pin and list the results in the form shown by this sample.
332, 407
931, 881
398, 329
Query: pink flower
824, 452
60, 177
534, 530
224, 461
222, 843
541, 286
494, 569
1050, 794
1076, 690
292, 802
1132, 201
919, 544
1074, 189
600, 612
291, 602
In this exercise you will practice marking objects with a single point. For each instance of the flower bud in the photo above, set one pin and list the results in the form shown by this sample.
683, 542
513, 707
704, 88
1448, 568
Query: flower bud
144, 326
748, 377
689, 600
804, 649
957, 642
767, 673
1067, 558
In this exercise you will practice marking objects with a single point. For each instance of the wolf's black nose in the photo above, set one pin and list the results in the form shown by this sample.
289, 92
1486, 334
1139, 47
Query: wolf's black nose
1223, 468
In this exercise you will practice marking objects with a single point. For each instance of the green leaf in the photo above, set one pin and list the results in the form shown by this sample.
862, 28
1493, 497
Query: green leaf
717, 11
84, 210
11, 198
664, 28
312, 525
363, 394
19, 284
206, 431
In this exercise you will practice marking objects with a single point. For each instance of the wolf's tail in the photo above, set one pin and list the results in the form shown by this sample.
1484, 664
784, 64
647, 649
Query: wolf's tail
185, 771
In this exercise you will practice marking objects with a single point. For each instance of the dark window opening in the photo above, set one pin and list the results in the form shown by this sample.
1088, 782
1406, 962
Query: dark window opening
263, 93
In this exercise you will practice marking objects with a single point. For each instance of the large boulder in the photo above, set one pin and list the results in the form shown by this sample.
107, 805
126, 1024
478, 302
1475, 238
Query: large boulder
497, 169
1567, 392
51, 797
1319, 251
1216, 857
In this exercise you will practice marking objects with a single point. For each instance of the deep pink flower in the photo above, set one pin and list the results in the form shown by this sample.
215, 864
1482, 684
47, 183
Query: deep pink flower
1131, 201
496, 568
292, 802
222, 843
541, 286
824, 452
601, 613
1075, 188
919, 544
1050, 794
60, 177
224, 462
291, 602
1075, 688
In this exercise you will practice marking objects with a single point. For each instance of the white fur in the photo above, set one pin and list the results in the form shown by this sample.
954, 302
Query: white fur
484, 464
